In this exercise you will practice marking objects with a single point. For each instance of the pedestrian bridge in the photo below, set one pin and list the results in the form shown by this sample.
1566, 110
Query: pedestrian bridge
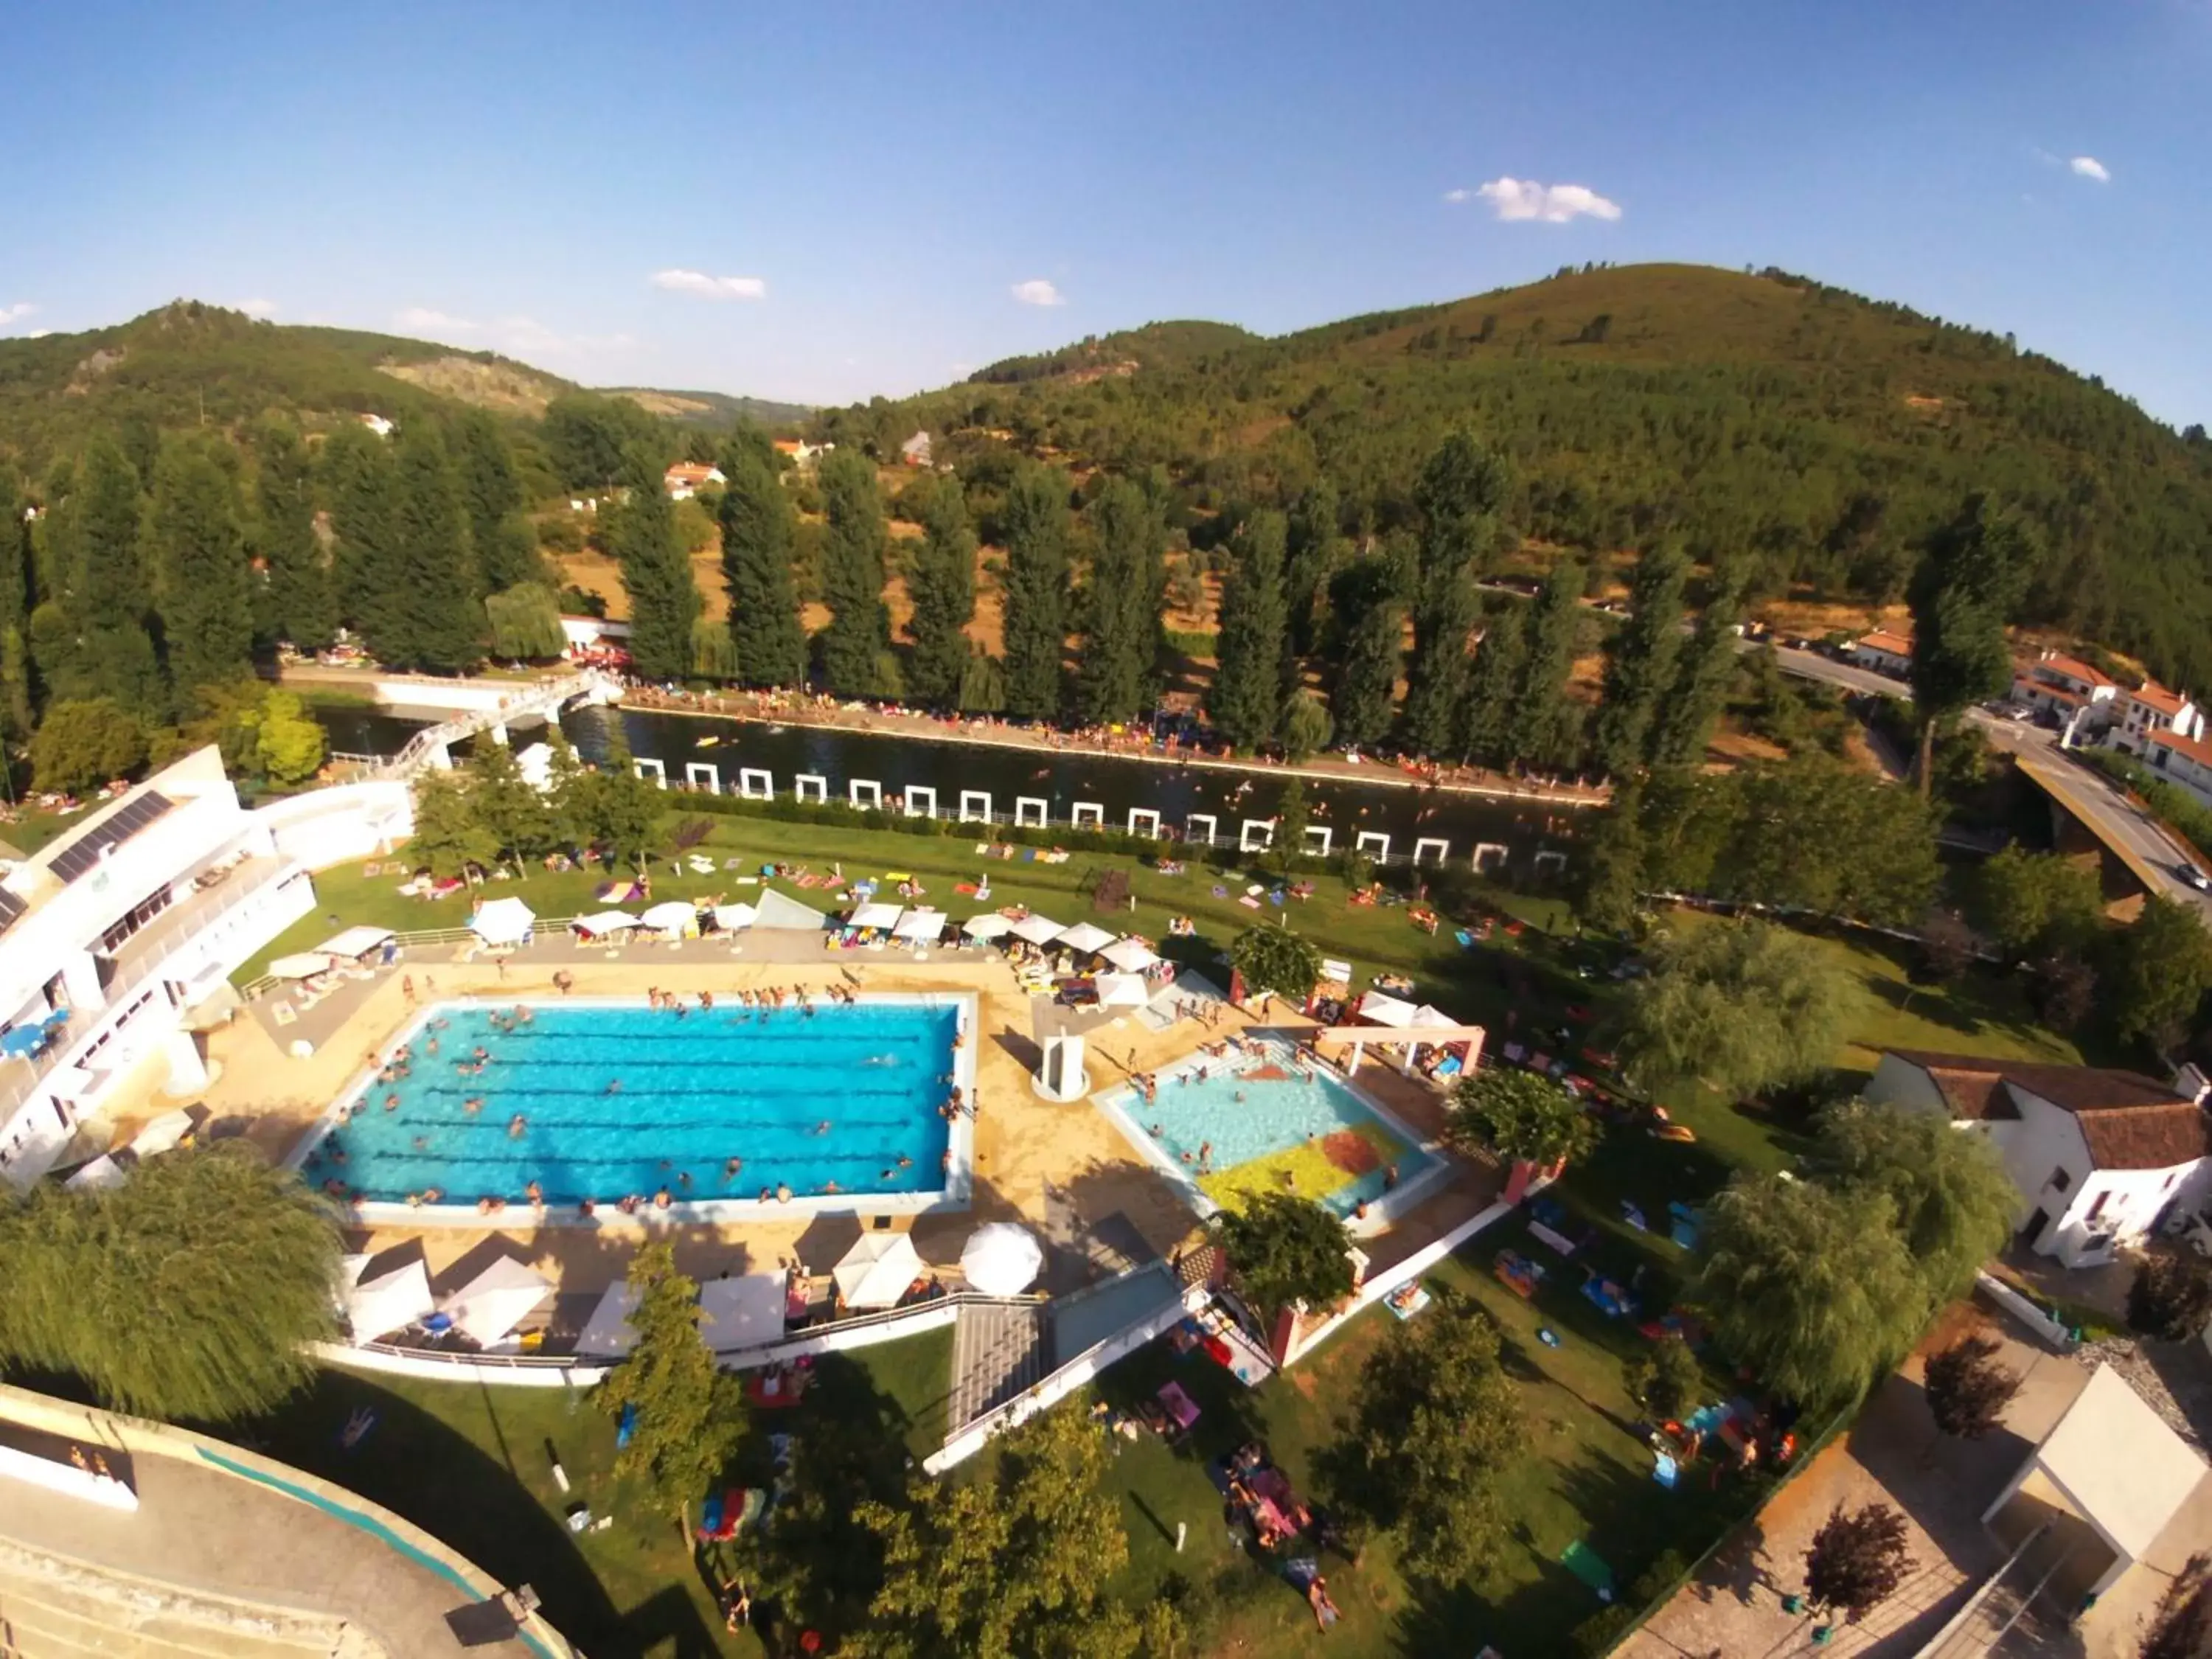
494, 711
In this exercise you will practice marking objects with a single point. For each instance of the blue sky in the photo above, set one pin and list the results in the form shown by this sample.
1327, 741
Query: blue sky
845, 200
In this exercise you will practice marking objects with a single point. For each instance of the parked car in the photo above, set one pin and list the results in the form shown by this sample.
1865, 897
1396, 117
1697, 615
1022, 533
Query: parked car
2194, 877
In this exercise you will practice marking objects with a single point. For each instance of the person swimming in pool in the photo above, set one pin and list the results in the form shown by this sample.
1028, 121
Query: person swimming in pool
535, 1194
391, 1103
614, 1087
730, 1169
829, 1187
432, 1195
822, 1127
515, 1126
421, 1142
905, 1162
473, 1104
1204, 1157
431, 1047
587, 1206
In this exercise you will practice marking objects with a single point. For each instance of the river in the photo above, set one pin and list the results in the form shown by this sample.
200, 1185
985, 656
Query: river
710, 748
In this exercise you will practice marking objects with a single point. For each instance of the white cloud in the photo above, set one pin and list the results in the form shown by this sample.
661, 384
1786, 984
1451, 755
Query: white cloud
2088, 166
15, 313
423, 319
1551, 205
260, 308
1456, 197
710, 288
527, 337
1037, 291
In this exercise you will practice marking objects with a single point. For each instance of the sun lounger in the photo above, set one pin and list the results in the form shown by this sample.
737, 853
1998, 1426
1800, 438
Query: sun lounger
1180, 1405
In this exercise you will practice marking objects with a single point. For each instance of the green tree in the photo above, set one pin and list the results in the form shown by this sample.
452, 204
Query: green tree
361, 483
625, 805
1306, 729
1857, 1559
1521, 1117
418, 590
1969, 579
191, 1290
2181, 1626
1271, 957
1610, 880
1017, 1564
491, 493
1817, 834
1487, 731
1665, 1378
1317, 551
81, 745
1742, 1005
656, 572
110, 597
1292, 815
1121, 606
1810, 1286
1640, 659
2032, 902
506, 804
1952, 1197
687, 1413
283, 742
2155, 973
1967, 1389
982, 684
1704, 670
1445, 610
1286, 1250
200, 576
859, 636
300, 600
570, 791
1435, 1423
526, 623
1461, 496
1245, 699
589, 438
942, 585
1547, 726
1035, 518
756, 522
447, 840
2170, 1298
1370, 619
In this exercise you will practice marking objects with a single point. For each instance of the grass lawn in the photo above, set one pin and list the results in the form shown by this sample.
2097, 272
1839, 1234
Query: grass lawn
472, 1464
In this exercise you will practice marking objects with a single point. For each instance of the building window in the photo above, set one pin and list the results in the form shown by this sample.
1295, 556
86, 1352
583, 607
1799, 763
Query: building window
140, 913
2096, 1209
2059, 1182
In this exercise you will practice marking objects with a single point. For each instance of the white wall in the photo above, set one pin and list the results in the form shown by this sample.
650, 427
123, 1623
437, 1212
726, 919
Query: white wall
342, 824
2132, 1199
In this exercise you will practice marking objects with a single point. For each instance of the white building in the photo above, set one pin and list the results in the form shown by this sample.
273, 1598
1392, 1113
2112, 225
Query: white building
915, 452
2152, 711
2064, 686
111, 934
1884, 652
2097, 1155
376, 423
687, 478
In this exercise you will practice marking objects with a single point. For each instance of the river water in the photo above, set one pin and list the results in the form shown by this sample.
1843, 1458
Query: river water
705, 750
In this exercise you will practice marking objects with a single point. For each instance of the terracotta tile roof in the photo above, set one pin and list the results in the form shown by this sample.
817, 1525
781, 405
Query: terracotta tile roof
690, 472
2151, 694
1897, 645
2130, 1121
2196, 749
2074, 668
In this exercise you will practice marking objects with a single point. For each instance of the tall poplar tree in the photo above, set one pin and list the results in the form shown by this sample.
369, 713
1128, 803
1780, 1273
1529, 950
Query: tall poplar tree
1640, 660
301, 604
1317, 549
1370, 620
1121, 606
1245, 701
198, 561
361, 485
505, 546
1972, 575
1461, 494
858, 640
16, 686
1035, 519
942, 585
756, 519
1486, 729
110, 598
416, 587
656, 572
1704, 670
1547, 724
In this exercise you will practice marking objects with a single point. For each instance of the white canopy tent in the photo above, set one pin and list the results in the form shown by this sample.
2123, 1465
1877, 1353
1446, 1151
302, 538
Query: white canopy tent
1122, 991
1001, 1259
988, 925
1085, 936
735, 918
744, 1312
607, 1333
602, 924
884, 917
1037, 930
1429, 1014
670, 917
924, 926
101, 1173
490, 1305
1130, 955
354, 943
876, 1271
503, 922
1383, 1009
781, 911
163, 1133
392, 1302
300, 964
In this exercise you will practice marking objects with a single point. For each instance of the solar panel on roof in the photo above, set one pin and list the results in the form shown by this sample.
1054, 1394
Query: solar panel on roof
81, 854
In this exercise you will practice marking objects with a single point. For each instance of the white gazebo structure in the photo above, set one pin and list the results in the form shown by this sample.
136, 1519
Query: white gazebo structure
1037, 930
1087, 937
300, 964
603, 924
670, 917
781, 912
882, 918
743, 1312
1122, 990
988, 925
490, 1306
390, 1302
921, 927
2109, 1476
503, 922
1393, 1023
735, 918
1130, 956
876, 1271
355, 944
1001, 1259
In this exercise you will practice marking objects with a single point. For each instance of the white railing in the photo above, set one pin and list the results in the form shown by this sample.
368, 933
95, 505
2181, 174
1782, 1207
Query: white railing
546, 700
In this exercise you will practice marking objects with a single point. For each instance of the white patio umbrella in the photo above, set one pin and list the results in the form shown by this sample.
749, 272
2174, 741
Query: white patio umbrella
1037, 930
101, 1173
1130, 955
744, 1312
1001, 1259
503, 922
391, 1302
163, 1134
602, 923
607, 1333
922, 924
1087, 937
872, 914
735, 918
495, 1301
1122, 991
670, 917
990, 924
877, 1270
1383, 1009
300, 964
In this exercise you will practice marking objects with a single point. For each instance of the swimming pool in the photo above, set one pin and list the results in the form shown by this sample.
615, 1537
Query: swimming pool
601, 1100
1265, 1122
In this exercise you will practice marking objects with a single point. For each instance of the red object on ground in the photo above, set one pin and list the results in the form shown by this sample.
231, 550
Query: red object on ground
1218, 1351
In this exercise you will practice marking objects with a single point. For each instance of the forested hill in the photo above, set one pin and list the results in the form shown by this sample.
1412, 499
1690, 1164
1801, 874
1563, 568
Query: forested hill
1811, 435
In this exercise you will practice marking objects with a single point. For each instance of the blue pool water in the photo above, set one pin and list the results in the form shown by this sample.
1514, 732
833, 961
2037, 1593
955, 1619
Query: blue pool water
1272, 1116
695, 1091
